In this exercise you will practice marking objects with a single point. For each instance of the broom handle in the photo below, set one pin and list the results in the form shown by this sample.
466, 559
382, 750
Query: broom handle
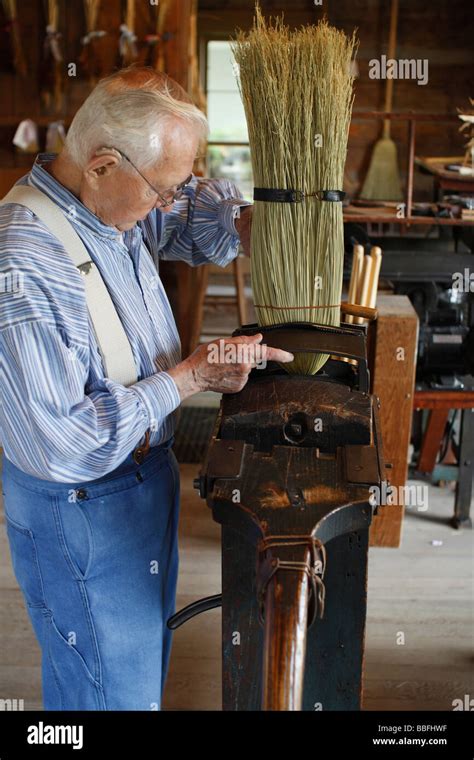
369, 282
357, 260
392, 44
355, 310
130, 15
376, 256
284, 640
364, 283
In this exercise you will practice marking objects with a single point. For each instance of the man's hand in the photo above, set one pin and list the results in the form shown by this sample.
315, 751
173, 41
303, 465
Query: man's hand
243, 224
224, 365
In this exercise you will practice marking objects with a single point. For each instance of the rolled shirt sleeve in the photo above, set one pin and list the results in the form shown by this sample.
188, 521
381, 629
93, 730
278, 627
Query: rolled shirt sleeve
200, 228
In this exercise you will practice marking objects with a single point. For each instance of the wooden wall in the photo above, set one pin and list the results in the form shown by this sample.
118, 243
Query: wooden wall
21, 96
441, 31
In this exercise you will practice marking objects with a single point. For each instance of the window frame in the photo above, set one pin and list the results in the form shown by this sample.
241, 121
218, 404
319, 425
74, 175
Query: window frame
203, 61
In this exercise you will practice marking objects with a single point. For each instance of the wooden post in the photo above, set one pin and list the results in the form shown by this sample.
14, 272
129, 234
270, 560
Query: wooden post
180, 24
393, 369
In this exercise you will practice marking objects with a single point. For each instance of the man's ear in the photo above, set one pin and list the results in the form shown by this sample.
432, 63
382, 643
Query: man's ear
103, 163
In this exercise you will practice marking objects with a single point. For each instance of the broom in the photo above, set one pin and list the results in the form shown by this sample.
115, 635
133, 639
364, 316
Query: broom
296, 87
10, 8
90, 42
51, 79
382, 182
157, 40
128, 39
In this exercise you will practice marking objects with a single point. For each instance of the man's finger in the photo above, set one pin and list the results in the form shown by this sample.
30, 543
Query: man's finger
248, 339
278, 355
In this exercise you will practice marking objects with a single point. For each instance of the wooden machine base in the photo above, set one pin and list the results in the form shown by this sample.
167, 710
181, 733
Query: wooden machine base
290, 474
335, 644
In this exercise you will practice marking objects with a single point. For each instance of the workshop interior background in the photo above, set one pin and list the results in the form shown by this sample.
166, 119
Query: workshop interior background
439, 31
419, 637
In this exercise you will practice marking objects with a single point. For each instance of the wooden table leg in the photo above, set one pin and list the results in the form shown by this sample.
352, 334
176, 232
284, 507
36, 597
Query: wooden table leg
432, 439
462, 504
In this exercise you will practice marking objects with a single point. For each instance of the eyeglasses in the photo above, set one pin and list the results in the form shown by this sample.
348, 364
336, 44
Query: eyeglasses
167, 199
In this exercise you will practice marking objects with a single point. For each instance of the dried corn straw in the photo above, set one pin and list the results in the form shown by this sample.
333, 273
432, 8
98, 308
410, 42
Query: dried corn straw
297, 91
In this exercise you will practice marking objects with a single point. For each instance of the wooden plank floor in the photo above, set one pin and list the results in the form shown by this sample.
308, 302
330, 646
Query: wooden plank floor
420, 590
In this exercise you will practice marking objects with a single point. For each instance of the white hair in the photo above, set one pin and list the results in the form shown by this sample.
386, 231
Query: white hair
131, 111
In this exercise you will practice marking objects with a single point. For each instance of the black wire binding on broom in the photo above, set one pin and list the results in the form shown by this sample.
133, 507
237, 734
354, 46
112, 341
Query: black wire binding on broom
295, 196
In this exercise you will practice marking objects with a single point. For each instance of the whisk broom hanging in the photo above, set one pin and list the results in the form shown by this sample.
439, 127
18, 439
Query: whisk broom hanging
296, 87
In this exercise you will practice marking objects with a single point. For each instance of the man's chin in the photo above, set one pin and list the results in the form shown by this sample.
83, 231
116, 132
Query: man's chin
126, 226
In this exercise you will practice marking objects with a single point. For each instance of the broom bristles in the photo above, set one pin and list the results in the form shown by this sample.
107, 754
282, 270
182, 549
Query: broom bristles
382, 182
296, 85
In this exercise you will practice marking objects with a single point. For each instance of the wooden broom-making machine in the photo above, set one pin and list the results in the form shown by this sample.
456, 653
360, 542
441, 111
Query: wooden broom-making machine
294, 455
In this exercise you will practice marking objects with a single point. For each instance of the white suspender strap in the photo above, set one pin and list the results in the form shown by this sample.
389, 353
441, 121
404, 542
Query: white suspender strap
111, 338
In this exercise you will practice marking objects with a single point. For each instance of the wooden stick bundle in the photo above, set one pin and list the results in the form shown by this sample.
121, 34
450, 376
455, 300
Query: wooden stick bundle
363, 287
364, 280
296, 87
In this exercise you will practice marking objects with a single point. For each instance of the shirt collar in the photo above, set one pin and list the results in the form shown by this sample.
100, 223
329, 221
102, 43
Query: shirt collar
69, 203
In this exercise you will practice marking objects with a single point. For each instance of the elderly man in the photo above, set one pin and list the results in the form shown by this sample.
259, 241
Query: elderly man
92, 526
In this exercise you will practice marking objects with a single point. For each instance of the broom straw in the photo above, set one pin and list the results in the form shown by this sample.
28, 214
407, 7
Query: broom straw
294, 87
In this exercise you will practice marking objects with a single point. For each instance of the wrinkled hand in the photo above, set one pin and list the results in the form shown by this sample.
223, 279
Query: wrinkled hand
224, 365
243, 225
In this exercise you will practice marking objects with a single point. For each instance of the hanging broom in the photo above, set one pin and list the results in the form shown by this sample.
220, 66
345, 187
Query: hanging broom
157, 40
382, 182
296, 88
51, 70
128, 39
19, 63
89, 57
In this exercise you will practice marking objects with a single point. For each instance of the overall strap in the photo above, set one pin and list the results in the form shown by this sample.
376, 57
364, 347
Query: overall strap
111, 338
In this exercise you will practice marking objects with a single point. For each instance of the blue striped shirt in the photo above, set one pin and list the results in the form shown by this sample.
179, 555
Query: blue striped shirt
61, 418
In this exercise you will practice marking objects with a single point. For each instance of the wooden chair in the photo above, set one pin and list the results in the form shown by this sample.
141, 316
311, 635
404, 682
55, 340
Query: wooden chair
192, 295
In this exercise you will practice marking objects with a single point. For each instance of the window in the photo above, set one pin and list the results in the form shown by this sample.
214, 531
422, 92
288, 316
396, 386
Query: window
228, 148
